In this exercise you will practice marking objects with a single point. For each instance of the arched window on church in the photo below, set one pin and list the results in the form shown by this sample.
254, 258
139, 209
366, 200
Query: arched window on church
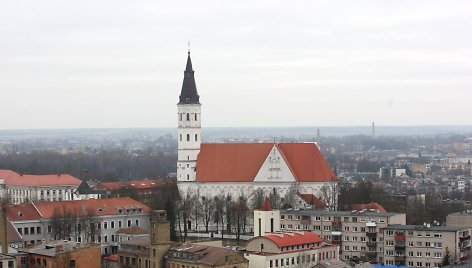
196, 137
188, 117
195, 116
188, 177
180, 137
188, 137
181, 117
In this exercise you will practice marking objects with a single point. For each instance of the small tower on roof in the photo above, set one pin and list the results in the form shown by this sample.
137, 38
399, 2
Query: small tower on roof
266, 220
189, 126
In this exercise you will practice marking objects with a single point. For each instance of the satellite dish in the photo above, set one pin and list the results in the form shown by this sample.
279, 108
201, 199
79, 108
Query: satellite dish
424, 223
428, 225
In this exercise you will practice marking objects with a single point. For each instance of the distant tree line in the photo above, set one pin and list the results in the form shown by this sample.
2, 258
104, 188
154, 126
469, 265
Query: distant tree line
105, 165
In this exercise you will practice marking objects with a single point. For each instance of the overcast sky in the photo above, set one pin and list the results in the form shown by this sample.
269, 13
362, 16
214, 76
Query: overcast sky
115, 63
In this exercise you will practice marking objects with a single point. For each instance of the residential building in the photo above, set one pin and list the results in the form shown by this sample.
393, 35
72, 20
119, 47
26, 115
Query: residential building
242, 168
273, 247
289, 249
424, 246
462, 218
356, 232
193, 255
93, 220
64, 254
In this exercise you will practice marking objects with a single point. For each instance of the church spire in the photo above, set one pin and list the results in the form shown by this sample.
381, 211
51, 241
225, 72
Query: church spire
189, 94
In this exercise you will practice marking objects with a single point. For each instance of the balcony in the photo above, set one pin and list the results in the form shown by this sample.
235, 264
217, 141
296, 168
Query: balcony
336, 242
400, 246
371, 254
463, 238
400, 258
337, 223
305, 222
371, 244
371, 234
400, 237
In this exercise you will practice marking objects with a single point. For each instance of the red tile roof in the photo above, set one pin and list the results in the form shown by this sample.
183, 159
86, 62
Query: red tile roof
12, 234
311, 199
23, 212
240, 162
6, 173
42, 180
371, 205
141, 184
98, 207
94, 207
293, 239
135, 230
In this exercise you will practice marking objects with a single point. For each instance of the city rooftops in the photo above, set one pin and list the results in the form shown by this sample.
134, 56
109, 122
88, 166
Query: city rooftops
319, 212
432, 228
56, 247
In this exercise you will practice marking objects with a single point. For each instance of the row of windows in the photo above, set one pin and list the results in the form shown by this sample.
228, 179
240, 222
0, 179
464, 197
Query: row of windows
418, 244
187, 116
188, 137
29, 230
332, 218
301, 259
417, 233
418, 254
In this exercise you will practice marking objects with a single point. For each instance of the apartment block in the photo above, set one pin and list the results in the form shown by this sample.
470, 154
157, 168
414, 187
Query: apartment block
424, 246
358, 233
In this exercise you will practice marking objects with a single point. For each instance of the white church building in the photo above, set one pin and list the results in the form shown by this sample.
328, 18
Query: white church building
241, 168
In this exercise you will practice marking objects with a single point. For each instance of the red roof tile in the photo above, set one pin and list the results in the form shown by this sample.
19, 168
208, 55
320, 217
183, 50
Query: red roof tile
97, 207
135, 230
311, 199
6, 173
42, 180
293, 239
371, 205
22, 212
307, 162
240, 162
231, 162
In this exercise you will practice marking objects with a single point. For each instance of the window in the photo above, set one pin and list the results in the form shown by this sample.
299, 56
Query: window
129, 223
188, 117
188, 137
137, 222
437, 254
180, 117
196, 137
418, 254
26, 231
180, 137
119, 224
105, 225
71, 263
410, 253
38, 230
20, 231
112, 224
195, 116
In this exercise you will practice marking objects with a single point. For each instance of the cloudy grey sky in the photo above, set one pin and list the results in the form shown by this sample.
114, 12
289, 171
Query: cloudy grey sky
117, 63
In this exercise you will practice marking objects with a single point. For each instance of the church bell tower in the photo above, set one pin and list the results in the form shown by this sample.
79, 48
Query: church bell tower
189, 126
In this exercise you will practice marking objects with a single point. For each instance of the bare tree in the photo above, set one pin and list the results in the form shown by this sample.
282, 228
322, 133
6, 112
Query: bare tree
258, 197
274, 198
208, 207
290, 198
219, 215
240, 211
329, 195
184, 209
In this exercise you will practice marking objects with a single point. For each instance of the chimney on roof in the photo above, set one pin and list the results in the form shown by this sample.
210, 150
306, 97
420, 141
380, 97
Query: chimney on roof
3, 229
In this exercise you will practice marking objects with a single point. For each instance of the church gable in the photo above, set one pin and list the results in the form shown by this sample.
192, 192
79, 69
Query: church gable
274, 168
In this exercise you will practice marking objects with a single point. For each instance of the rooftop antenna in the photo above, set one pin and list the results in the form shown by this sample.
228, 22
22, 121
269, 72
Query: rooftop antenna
188, 47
